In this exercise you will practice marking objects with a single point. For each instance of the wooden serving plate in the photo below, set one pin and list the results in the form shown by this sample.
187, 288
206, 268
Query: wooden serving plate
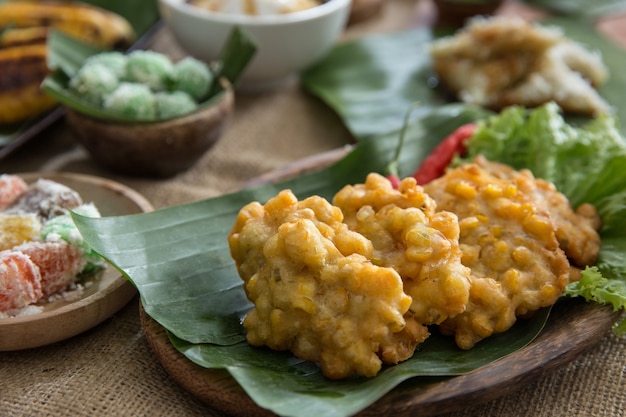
573, 327
108, 291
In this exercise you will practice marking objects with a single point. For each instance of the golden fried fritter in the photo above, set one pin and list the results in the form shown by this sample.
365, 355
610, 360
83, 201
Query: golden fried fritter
408, 235
510, 245
576, 231
315, 291
503, 60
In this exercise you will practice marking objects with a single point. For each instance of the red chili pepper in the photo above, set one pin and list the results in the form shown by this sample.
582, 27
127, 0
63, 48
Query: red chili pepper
394, 180
434, 165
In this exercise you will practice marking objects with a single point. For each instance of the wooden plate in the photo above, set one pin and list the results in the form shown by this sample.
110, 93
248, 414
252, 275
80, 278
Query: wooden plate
574, 327
108, 291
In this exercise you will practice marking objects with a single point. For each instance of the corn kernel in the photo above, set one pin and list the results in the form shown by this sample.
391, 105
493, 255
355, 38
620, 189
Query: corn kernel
470, 254
492, 191
509, 191
522, 256
511, 279
538, 226
469, 223
465, 191
501, 248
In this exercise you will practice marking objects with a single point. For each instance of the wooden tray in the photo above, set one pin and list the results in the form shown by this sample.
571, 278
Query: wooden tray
574, 327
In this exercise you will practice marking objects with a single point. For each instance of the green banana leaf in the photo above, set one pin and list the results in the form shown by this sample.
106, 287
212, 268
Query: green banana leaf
143, 15
372, 81
178, 258
595, 8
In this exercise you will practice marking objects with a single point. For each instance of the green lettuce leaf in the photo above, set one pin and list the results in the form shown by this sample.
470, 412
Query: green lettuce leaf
586, 163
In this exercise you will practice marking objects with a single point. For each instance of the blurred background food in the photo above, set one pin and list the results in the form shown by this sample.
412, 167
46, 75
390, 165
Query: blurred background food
286, 43
255, 7
143, 85
24, 30
501, 61
141, 113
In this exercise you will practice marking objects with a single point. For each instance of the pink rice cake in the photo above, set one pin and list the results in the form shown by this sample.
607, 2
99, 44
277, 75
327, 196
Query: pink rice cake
11, 187
59, 263
20, 281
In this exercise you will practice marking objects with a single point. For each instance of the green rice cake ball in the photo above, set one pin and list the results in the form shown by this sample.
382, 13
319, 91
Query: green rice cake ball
114, 60
174, 104
150, 68
93, 82
132, 100
193, 77
62, 227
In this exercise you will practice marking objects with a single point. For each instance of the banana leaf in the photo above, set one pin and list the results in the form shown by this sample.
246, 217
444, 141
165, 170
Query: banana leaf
596, 8
178, 259
143, 16
372, 81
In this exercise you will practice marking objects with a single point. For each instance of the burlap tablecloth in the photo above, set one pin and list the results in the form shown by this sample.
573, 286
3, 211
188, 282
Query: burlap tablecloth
111, 371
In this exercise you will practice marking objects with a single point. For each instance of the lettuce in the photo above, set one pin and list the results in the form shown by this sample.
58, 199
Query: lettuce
587, 163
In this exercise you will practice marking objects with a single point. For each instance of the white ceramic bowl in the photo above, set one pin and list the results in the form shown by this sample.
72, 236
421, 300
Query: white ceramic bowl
286, 44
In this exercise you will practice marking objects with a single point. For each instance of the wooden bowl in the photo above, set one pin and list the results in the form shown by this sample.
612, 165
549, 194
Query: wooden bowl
159, 149
454, 13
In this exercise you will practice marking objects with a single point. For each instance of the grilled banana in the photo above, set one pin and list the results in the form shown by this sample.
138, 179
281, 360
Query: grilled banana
23, 36
85, 22
24, 28
23, 68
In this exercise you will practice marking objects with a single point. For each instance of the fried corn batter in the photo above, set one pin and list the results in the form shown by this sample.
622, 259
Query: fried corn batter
315, 291
354, 284
409, 236
501, 61
510, 245
576, 231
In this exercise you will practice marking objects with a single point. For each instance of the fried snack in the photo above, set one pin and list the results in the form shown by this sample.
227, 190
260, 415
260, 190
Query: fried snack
510, 245
315, 291
409, 236
576, 231
501, 61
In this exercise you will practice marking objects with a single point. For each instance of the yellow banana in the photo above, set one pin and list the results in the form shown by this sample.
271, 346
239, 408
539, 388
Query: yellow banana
23, 68
24, 28
89, 23
23, 36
